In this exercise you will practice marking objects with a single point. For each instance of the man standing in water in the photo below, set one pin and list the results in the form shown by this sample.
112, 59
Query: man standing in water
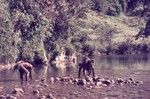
86, 66
24, 68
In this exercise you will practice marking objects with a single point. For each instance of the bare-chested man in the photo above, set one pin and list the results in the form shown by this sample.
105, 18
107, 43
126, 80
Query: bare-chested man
24, 68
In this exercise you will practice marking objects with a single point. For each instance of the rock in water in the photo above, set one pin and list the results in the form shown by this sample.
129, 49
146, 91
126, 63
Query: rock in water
129, 81
36, 92
43, 79
98, 83
96, 79
81, 82
18, 91
58, 79
89, 79
52, 80
106, 82
42, 97
120, 81
63, 98
2, 97
50, 96
1, 88
138, 83
75, 81
10, 97
65, 79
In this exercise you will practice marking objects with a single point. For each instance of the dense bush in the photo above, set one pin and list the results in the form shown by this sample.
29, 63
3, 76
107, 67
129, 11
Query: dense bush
47, 26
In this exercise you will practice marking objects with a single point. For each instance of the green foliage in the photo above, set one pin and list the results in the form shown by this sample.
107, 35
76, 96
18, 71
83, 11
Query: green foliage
45, 27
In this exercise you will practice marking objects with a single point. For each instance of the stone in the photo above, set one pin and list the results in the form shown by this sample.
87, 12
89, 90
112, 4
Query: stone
36, 92
50, 96
81, 82
42, 97
89, 87
96, 79
10, 97
138, 82
1, 88
52, 80
129, 81
106, 82
98, 83
2, 97
43, 79
120, 81
18, 91
58, 79
65, 79
63, 98
75, 81
89, 79
45, 85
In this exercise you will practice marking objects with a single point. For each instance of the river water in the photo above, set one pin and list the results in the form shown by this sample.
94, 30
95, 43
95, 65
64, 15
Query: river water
109, 67
105, 66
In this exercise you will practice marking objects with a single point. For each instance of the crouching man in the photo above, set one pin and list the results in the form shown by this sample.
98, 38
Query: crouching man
24, 68
86, 67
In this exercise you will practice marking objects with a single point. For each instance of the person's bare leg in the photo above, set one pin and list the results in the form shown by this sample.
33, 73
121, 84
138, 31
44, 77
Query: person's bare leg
79, 72
27, 75
84, 73
30, 74
21, 77
93, 73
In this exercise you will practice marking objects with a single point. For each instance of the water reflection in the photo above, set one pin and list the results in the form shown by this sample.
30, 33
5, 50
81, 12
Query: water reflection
123, 62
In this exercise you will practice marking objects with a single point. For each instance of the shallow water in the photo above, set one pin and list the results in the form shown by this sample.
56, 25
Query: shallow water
104, 66
110, 67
